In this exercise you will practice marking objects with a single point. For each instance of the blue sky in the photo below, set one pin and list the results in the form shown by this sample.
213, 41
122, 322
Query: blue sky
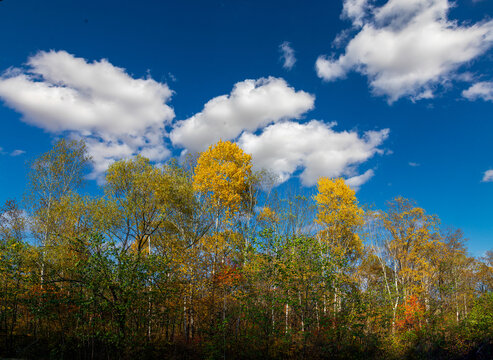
407, 82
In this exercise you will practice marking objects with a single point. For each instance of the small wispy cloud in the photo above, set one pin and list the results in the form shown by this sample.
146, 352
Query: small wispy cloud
413, 164
356, 181
488, 176
287, 55
481, 90
17, 152
172, 77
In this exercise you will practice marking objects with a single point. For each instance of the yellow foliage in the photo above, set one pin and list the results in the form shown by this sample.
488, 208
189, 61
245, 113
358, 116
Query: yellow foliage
415, 243
268, 215
223, 173
339, 215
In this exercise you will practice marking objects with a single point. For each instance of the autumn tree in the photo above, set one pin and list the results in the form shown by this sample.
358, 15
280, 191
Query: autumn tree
412, 249
223, 179
339, 217
14, 275
52, 176
144, 198
224, 175
195, 260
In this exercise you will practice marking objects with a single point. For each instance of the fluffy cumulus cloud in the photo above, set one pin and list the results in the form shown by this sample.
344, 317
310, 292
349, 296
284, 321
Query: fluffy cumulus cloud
251, 105
117, 115
481, 90
287, 55
315, 148
488, 176
405, 47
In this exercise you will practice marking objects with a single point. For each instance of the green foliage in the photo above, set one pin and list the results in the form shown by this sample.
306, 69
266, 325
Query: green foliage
197, 262
479, 321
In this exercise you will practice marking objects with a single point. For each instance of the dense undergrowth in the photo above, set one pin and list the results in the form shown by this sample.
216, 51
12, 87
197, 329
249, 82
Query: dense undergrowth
207, 260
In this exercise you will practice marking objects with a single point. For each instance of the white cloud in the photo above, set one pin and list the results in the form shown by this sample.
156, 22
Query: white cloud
251, 105
17, 152
481, 90
117, 115
488, 176
356, 181
287, 55
406, 48
413, 164
314, 147
355, 10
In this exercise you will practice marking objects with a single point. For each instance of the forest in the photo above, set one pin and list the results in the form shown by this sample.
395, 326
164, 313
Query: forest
205, 258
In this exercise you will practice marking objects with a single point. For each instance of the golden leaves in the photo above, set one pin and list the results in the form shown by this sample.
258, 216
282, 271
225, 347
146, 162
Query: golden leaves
223, 173
339, 215
268, 215
415, 244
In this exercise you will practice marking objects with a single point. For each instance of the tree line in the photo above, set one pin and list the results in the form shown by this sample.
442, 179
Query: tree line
205, 258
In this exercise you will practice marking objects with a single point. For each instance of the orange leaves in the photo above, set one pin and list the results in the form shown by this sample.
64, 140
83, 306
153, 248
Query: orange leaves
411, 314
228, 275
